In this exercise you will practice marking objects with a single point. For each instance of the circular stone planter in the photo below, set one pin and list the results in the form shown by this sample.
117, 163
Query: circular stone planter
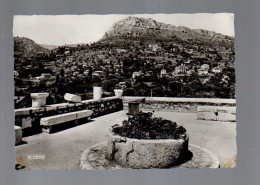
146, 153
95, 158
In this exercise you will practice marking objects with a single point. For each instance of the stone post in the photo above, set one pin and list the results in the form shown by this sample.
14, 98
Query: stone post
39, 99
97, 93
118, 92
133, 108
18, 134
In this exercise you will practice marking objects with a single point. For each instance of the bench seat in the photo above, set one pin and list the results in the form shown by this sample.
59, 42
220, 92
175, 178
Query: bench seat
48, 122
231, 110
216, 113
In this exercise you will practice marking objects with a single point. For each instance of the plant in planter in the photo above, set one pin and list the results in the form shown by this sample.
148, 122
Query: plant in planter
118, 90
144, 141
144, 126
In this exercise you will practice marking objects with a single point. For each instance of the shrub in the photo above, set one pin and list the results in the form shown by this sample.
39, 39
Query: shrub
117, 86
145, 126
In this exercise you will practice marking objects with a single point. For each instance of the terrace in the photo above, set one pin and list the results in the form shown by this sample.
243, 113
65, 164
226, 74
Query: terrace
63, 148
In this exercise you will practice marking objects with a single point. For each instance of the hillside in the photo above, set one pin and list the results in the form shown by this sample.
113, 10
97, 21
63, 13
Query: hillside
153, 31
27, 48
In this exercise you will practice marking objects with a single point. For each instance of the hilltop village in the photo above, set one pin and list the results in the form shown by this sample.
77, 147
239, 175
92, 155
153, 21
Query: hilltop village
174, 68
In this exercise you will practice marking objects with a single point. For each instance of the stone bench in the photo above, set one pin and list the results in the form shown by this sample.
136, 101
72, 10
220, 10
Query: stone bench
18, 134
47, 123
216, 113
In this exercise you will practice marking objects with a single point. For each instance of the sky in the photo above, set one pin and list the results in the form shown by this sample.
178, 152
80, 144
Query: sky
73, 29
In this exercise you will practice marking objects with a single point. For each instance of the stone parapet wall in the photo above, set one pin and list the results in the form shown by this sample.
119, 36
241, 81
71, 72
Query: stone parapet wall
29, 118
176, 104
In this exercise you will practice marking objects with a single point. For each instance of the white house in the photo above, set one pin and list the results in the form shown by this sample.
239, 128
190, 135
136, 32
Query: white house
100, 74
202, 72
204, 67
163, 73
135, 74
216, 70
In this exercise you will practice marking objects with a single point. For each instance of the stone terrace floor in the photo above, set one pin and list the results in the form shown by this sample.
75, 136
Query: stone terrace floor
63, 149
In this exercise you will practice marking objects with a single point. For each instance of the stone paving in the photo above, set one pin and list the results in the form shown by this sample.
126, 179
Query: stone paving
63, 149
202, 158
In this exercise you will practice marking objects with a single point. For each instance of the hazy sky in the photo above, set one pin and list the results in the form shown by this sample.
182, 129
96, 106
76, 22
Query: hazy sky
72, 29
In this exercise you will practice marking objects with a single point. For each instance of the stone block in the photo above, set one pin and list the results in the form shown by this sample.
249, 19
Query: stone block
62, 118
133, 108
72, 98
206, 116
97, 93
226, 117
118, 92
26, 122
39, 99
18, 134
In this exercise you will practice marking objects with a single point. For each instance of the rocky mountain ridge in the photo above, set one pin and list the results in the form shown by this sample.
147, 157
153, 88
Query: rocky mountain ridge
151, 30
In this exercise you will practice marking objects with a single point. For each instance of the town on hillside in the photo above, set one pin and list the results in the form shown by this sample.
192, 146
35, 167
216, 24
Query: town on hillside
158, 67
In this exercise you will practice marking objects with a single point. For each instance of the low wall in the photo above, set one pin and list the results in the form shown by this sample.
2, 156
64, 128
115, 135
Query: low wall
29, 118
176, 104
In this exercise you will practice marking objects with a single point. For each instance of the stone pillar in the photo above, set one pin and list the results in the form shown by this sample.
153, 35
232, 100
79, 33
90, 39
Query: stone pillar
39, 99
97, 93
118, 92
18, 134
133, 108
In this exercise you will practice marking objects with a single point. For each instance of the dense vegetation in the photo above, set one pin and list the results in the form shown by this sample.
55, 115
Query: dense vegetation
144, 126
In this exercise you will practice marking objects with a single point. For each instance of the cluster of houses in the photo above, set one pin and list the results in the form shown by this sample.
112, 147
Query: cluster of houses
174, 60
184, 70
187, 59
